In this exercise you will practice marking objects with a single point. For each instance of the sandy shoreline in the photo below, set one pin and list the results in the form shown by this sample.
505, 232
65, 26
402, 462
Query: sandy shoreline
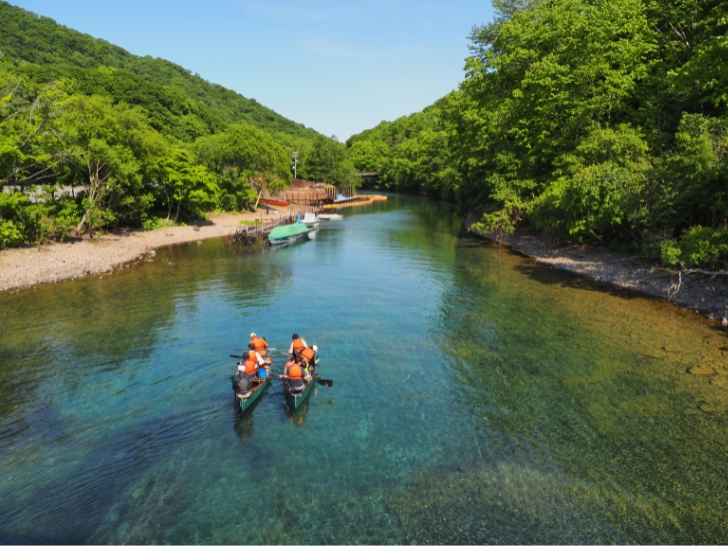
697, 292
26, 267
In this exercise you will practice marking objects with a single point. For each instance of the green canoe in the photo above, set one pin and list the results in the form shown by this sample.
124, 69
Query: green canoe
256, 392
296, 399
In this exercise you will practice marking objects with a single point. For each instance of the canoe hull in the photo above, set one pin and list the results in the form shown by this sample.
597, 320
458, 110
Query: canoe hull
273, 202
296, 400
246, 403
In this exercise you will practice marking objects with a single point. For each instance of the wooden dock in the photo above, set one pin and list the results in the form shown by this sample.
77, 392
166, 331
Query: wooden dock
247, 235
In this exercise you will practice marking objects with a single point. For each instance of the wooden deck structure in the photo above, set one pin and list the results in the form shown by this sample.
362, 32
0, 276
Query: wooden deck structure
312, 194
248, 235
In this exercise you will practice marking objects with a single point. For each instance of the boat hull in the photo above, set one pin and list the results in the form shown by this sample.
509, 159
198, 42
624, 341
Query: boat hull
273, 202
255, 394
284, 240
295, 400
288, 233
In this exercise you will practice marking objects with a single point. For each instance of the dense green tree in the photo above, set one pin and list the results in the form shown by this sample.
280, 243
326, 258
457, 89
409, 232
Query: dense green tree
185, 184
108, 147
242, 157
368, 155
326, 160
29, 145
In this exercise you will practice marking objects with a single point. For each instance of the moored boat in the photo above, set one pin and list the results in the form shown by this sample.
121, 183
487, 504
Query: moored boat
310, 219
274, 202
330, 217
340, 199
288, 233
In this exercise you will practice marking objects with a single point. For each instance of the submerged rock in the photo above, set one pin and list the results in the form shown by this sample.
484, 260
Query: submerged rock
701, 370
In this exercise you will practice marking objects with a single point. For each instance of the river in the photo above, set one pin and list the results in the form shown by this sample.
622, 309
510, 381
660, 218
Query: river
477, 398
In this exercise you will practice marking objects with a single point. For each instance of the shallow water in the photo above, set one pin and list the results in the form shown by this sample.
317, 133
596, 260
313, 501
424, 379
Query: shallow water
477, 398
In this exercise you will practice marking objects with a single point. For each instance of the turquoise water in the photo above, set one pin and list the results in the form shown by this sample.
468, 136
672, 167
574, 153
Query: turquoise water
477, 398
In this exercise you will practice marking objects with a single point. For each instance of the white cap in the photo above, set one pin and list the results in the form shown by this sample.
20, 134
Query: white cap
252, 335
315, 348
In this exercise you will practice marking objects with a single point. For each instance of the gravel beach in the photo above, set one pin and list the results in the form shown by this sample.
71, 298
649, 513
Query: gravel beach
697, 292
26, 267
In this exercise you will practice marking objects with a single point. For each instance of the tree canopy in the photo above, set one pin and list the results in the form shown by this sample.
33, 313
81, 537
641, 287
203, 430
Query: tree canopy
92, 136
600, 121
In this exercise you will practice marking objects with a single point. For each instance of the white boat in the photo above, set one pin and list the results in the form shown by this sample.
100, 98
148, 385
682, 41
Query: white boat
310, 219
328, 217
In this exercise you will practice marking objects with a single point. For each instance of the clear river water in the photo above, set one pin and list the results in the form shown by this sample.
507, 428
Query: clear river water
477, 398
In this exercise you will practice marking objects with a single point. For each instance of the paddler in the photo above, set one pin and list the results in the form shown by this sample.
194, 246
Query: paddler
297, 376
309, 355
260, 345
252, 362
297, 345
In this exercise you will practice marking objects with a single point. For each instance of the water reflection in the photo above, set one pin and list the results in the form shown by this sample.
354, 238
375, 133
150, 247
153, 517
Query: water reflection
297, 416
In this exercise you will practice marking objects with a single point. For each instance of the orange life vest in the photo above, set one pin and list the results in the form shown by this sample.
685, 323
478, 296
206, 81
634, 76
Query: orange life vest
260, 344
298, 345
308, 354
251, 365
295, 372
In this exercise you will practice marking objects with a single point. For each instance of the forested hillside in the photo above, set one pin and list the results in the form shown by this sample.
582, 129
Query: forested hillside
66, 52
93, 137
596, 120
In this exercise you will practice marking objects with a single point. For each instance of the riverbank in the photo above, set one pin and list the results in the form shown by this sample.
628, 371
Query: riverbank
26, 267
697, 292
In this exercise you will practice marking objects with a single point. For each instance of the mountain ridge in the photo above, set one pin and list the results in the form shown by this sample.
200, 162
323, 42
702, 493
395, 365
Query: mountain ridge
42, 41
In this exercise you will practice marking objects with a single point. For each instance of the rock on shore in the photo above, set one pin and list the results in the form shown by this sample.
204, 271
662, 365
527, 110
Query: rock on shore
697, 292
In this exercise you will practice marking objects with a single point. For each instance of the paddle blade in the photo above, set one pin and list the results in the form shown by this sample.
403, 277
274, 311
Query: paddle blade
325, 382
236, 356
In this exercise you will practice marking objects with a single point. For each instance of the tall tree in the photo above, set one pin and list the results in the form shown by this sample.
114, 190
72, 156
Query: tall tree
107, 145
327, 160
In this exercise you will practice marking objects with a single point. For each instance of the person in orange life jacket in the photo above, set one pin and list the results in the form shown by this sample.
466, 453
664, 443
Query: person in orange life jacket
297, 376
309, 355
252, 361
241, 382
253, 354
292, 359
297, 345
261, 345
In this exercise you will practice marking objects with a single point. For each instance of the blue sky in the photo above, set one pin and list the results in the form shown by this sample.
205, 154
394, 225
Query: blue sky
337, 66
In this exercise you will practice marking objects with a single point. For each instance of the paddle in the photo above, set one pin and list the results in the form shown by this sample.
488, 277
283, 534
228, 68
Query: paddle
324, 382
240, 357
